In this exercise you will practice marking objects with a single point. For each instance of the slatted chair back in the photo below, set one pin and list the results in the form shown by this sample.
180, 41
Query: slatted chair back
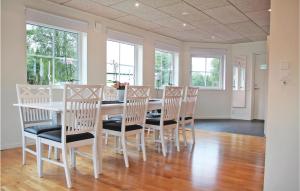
135, 105
171, 103
110, 93
81, 109
29, 94
190, 98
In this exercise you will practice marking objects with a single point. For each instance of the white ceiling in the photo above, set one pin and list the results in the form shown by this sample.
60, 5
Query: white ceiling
221, 21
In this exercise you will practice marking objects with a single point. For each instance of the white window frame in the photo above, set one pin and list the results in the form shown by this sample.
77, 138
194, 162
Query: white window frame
174, 66
82, 53
221, 74
136, 60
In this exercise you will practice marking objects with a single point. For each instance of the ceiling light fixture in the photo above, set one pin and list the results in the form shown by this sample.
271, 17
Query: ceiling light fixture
184, 13
137, 4
184, 24
213, 37
269, 10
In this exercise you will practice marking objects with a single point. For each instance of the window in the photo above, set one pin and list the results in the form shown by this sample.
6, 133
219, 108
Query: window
53, 55
207, 72
164, 68
121, 62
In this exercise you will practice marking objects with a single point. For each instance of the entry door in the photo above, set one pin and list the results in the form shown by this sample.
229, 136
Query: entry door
260, 79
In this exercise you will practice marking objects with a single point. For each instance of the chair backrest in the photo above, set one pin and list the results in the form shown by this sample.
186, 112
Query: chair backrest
171, 103
110, 93
190, 101
82, 105
33, 94
135, 105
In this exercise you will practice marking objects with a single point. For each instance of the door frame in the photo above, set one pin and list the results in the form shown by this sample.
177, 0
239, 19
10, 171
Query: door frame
253, 82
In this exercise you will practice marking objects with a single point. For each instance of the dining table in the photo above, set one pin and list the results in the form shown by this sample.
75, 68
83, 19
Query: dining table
107, 108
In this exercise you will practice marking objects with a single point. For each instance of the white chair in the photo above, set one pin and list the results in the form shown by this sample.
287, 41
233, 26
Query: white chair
133, 119
169, 118
187, 116
80, 120
110, 93
34, 121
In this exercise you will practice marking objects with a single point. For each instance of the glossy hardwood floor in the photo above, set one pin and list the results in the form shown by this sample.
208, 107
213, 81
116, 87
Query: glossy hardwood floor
218, 161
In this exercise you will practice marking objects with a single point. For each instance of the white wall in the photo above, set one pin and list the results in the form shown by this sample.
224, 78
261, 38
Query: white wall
249, 50
211, 103
282, 138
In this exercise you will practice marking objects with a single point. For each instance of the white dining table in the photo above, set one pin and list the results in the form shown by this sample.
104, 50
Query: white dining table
106, 109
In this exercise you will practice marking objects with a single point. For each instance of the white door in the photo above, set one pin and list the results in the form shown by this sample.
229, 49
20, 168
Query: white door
260, 86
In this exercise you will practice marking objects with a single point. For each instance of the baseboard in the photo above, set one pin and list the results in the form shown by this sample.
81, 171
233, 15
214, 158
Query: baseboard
213, 117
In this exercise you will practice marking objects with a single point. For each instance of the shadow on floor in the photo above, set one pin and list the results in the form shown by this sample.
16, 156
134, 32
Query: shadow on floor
254, 127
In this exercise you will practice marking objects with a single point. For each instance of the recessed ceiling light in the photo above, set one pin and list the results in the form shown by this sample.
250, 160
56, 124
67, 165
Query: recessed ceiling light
137, 4
184, 24
213, 37
184, 13
269, 10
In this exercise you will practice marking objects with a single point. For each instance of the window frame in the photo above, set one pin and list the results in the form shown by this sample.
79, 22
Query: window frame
136, 59
80, 51
222, 75
173, 56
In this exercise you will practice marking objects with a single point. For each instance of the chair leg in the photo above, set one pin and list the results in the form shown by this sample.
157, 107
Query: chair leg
66, 166
73, 157
184, 134
49, 151
177, 137
125, 151
95, 159
162, 139
193, 132
56, 155
39, 157
23, 149
138, 141
143, 145
106, 138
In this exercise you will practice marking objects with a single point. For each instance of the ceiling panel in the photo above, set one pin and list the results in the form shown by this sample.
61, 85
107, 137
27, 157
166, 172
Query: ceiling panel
173, 23
262, 18
108, 2
143, 11
159, 3
251, 5
207, 4
59, 1
135, 21
184, 12
247, 29
95, 8
226, 15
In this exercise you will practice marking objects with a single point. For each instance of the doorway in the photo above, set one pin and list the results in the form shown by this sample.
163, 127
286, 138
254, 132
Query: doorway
260, 86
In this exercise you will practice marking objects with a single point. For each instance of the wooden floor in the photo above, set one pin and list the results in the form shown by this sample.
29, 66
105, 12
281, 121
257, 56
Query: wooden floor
218, 161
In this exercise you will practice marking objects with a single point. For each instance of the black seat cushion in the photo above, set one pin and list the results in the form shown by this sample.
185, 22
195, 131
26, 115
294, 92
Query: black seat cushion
112, 102
56, 136
42, 128
187, 118
156, 121
116, 126
153, 115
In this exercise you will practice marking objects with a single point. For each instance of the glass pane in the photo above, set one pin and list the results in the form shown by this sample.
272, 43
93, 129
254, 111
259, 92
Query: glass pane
126, 69
38, 70
113, 52
198, 79
198, 64
158, 80
127, 78
39, 40
126, 54
66, 44
110, 78
213, 65
235, 78
157, 61
166, 77
163, 69
66, 70
112, 67
212, 80
242, 78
